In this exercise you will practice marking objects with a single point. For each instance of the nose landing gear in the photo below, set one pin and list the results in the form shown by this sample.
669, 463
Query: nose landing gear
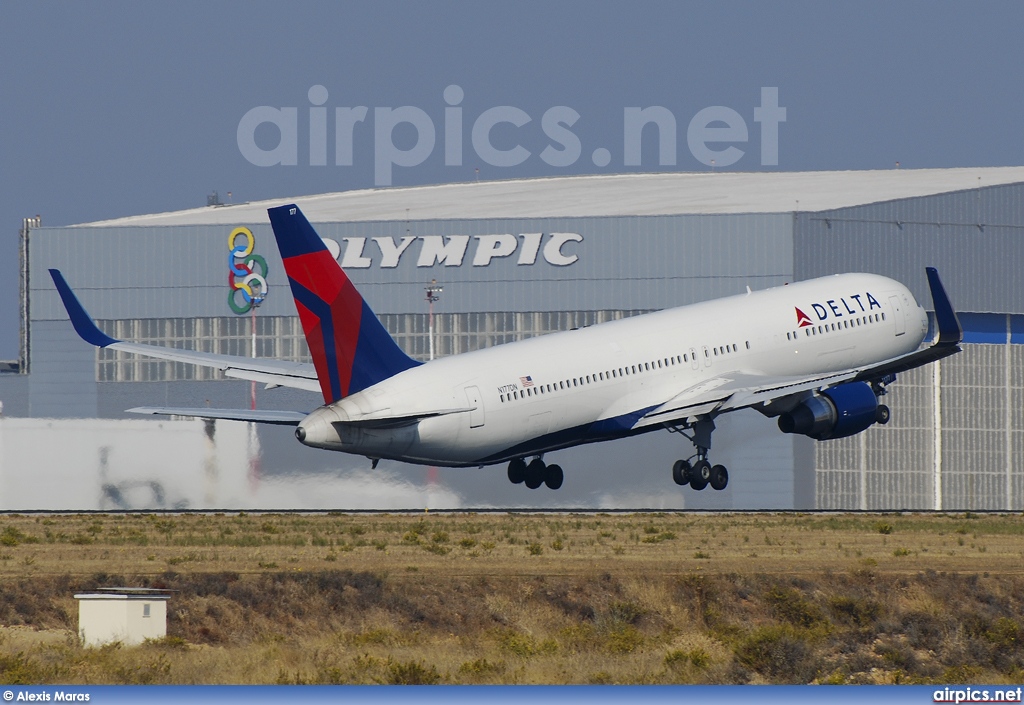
701, 473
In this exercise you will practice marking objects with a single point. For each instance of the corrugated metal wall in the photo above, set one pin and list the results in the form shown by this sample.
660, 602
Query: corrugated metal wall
975, 238
63, 379
969, 436
885, 467
624, 263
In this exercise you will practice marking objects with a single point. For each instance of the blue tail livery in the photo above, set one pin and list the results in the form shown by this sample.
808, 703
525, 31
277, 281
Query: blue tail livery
351, 349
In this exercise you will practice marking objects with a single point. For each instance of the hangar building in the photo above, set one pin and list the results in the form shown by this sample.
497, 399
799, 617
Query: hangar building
526, 257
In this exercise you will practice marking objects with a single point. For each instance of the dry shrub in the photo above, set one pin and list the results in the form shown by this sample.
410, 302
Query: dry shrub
923, 630
898, 655
412, 673
854, 611
1005, 634
697, 657
20, 669
624, 639
38, 602
482, 669
626, 612
791, 606
523, 645
572, 601
779, 653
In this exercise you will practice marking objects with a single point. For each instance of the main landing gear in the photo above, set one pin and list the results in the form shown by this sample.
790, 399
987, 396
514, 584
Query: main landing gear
535, 474
696, 471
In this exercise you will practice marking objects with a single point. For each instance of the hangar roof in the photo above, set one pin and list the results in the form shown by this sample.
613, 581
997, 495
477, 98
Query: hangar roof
606, 195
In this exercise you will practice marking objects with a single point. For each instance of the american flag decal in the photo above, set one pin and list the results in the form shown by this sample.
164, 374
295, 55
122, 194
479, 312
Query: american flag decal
526, 381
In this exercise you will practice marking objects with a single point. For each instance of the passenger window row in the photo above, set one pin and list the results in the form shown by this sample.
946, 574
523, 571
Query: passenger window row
844, 324
540, 389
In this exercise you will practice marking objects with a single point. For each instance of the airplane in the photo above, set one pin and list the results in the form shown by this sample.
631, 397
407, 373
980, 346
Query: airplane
816, 355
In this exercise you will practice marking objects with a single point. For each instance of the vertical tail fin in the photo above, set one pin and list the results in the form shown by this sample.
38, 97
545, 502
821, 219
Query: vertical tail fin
351, 349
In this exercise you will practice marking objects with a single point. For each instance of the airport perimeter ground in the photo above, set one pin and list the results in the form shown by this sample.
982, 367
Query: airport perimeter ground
524, 598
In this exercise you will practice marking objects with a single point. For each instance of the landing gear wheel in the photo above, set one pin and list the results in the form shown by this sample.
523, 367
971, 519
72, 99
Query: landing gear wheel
516, 470
681, 472
882, 414
719, 477
553, 477
535, 473
700, 474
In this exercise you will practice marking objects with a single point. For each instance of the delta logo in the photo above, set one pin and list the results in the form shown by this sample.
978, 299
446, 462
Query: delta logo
838, 308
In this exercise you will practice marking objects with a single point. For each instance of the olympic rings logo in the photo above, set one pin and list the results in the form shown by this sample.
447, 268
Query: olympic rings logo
242, 275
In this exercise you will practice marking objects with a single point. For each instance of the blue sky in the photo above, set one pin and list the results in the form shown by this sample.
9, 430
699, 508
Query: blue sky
113, 109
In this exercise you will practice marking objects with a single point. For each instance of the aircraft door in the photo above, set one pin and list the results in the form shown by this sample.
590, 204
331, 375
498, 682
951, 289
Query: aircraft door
707, 356
694, 362
475, 401
898, 316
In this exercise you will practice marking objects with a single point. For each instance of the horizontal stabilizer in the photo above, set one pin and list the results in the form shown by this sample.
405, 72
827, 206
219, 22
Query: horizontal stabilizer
274, 379
397, 421
281, 418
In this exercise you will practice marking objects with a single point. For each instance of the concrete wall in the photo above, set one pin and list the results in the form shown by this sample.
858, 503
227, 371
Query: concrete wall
106, 464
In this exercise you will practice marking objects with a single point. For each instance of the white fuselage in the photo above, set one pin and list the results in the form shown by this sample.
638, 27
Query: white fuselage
596, 383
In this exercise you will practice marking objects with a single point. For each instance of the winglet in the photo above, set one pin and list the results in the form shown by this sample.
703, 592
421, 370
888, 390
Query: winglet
84, 325
950, 330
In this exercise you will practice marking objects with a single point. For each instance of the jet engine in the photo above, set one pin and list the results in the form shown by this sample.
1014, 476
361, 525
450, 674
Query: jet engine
836, 412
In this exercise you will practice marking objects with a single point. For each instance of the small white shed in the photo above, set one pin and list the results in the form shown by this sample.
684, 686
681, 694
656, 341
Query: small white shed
127, 615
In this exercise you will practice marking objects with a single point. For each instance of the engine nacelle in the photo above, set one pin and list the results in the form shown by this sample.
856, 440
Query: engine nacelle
836, 412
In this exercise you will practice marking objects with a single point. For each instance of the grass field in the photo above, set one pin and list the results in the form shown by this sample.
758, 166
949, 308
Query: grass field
524, 598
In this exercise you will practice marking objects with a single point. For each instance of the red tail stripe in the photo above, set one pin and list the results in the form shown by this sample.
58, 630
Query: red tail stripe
318, 273
347, 313
315, 342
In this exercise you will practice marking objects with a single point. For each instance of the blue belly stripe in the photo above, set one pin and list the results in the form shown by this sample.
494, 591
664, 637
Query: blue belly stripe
603, 430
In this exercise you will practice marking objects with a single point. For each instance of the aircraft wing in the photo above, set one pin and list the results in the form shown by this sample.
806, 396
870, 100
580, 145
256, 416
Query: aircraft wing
743, 389
300, 375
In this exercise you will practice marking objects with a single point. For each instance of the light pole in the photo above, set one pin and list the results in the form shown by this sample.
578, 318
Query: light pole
254, 440
256, 301
258, 294
433, 294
